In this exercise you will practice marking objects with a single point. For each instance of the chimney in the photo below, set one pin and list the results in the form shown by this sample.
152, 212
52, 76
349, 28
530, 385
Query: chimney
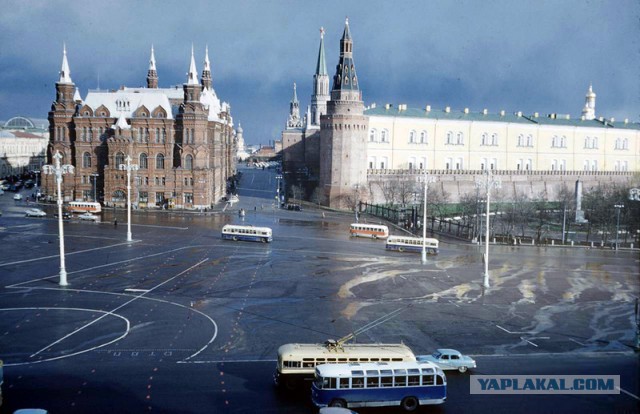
428, 108
447, 109
485, 111
519, 114
466, 110
535, 114
387, 106
502, 112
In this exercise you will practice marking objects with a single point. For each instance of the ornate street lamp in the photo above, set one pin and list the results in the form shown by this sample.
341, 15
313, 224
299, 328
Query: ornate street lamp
487, 185
128, 167
58, 170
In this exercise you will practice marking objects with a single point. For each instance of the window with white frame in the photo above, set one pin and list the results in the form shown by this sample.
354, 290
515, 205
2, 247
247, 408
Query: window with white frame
372, 163
423, 137
383, 163
373, 135
423, 163
449, 140
529, 164
384, 136
494, 139
459, 165
520, 141
529, 140
448, 164
412, 137
412, 163
484, 139
460, 138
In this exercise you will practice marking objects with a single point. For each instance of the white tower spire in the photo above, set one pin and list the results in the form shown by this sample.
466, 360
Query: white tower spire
589, 110
192, 77
65, 73
207, 64
152, 60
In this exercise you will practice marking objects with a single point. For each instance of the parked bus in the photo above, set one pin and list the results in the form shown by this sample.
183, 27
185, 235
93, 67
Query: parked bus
247, 233
412, 244
84, 207
297, 362
375, 231
404, 384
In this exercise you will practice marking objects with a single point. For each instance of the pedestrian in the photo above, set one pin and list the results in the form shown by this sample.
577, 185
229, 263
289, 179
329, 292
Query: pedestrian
115, 222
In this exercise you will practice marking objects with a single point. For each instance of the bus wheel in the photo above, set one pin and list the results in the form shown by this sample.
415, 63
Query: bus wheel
409, 404
400, 249
338, 403
375, 237
235, 238
462, 368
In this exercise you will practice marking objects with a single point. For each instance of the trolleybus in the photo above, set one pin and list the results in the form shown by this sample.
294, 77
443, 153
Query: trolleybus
374, 231
247, 233
412, 244
297, 362
83, 207
404, 384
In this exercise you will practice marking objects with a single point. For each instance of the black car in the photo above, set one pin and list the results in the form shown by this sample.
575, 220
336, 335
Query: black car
65, 215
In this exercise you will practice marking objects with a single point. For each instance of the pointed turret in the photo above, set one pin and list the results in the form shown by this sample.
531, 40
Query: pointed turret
192, 88
65, 88
192, 76
294, 120
207, 82
589, 110
320, 86
345, 81
65, 72
152, 74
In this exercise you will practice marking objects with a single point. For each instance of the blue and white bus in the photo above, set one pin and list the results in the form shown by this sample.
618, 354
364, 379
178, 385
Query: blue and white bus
404, 384
412, 244
247, 233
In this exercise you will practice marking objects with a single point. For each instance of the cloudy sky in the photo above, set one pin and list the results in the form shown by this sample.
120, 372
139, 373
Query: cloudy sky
530, 56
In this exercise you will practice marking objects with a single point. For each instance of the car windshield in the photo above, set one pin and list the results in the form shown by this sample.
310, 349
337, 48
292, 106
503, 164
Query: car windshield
436, 354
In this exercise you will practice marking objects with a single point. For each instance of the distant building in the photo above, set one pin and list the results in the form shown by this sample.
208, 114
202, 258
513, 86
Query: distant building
352, 151
181, 139
23, 145
241, 151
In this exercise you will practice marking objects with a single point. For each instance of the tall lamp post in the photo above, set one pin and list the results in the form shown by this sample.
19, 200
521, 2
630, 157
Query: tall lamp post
128, 167
426, 180
618, 207
278, 178
58, 170
488, 184
95, 186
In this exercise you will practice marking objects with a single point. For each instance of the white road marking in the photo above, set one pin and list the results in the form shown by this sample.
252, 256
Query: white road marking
526, 340
577, 342
136, 290
119, 307
75, 353
66, 254
509, 332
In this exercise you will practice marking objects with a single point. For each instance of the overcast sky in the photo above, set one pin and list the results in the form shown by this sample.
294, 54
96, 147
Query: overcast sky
530, 56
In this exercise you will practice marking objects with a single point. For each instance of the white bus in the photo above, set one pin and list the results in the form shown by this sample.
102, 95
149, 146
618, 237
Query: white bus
405, 384
84, 206
375, 231
247, 233
297, 362
412, 244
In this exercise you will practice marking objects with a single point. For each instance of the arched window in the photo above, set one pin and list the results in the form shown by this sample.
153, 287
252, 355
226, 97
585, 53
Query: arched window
449, 137
494, 139
412, 137
119, 159
383, 135
423, 137
160, 162
188, 162
157, 135
86, 160
143, 161
460, 138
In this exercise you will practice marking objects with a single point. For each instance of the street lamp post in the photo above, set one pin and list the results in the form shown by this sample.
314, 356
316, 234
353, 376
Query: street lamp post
95, 186
128, 167
618, 207
278, 178
58, 170
427, 179
488, 185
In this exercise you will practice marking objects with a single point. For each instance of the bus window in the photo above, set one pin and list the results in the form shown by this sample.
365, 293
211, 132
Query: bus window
291, 364
439, 380
331, 360
342, 359
427, 380
353, 359
357, 382
344, 383
386, 381
373, 382
401, 381
332, 383
320, 360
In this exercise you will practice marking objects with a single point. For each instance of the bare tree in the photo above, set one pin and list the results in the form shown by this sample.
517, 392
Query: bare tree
389, 191
318, 196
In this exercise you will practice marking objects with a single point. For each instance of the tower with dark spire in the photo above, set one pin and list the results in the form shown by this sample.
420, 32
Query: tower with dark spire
152, 74
343, 133
320, 86
207, 82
